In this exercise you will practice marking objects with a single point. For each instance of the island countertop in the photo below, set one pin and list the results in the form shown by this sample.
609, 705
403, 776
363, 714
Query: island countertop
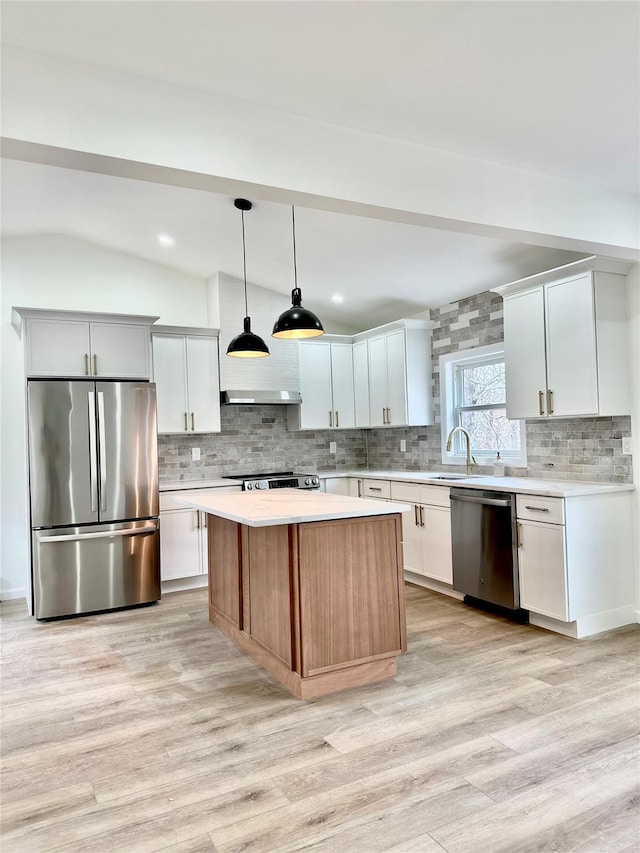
286, 506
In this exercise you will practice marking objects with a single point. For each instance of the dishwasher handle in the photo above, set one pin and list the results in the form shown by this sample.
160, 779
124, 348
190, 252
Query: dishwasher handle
481, 500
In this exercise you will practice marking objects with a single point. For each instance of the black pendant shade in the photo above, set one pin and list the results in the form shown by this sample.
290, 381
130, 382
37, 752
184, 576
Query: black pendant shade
246, 344
297, 322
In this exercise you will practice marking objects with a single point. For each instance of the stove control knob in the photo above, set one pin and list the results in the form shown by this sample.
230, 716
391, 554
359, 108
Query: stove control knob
307, 482
260, 485
249, 486
315, 481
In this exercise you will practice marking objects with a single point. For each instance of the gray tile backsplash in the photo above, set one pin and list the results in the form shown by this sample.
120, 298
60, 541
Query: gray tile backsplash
256, 438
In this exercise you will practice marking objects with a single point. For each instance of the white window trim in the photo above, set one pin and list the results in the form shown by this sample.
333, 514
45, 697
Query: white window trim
447, 366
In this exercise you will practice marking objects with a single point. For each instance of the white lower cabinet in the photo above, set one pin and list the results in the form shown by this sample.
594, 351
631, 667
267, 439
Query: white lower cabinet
426, 530
575, 561
183, 536
337, 486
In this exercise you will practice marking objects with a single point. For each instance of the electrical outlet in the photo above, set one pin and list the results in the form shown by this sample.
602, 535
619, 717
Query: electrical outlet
195, 454
403, 446
333, 447
627, 446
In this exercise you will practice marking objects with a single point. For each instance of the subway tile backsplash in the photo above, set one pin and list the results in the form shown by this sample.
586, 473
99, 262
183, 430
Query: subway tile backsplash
256, 439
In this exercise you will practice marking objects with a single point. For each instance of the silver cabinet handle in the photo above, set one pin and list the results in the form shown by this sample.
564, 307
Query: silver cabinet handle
93, 457
102, 451
330, 418
186, 422
375, 489
388, 415
197, 519
421, 516
541, 402
337, 420
518, 535
550, 402
384, 415
359, 488
538, 508
86, 364
415, 515
95, 364
193, 422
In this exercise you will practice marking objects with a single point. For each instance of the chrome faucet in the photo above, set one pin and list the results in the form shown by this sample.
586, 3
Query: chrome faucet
471, 462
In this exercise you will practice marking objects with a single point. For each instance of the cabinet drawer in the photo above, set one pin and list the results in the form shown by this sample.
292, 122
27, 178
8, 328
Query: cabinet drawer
535, 508
376, 489
406, 492
435, 495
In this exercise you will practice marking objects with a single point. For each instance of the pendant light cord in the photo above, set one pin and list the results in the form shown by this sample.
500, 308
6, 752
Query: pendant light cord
244, 264
295, 268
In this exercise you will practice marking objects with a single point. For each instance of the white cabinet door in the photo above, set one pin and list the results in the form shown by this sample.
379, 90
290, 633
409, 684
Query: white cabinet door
396, 379
377, 380
542, 569
180, 544
361, 384
170, 375
572, 373
342, 385
412, 541
336, 485
316, 409
120, 350
203, 384
524, 354
58, 348
436, 543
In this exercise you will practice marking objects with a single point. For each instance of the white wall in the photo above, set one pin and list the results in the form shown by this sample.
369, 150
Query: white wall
633, 302
56, 271
84, 108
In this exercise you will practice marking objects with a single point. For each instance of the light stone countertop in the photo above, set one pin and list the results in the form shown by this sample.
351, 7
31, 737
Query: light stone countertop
287, 506
519, 485
191, 485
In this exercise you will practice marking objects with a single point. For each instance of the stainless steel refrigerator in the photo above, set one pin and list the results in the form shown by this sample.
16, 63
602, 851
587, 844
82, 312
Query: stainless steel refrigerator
93, 476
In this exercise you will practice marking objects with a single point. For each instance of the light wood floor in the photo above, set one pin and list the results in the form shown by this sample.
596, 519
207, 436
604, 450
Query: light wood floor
147, 730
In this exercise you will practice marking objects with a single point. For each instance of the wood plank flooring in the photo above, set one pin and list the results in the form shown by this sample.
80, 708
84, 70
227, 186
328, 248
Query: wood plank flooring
147, 730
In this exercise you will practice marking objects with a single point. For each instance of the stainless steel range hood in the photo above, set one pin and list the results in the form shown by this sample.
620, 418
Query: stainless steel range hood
256, 398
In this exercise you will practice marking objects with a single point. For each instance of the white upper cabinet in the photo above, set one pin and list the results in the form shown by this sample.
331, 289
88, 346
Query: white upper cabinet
61, 344
187, 383
400, 375
326, 387
565, 335
361, 384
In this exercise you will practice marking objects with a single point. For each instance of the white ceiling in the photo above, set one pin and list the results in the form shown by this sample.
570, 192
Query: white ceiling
549, 86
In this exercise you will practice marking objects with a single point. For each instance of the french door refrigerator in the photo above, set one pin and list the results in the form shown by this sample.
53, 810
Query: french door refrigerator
93, 477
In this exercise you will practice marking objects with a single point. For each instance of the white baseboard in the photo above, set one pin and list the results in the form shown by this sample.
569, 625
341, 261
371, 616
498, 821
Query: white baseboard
436, 586
12, 594
182, 584
587, 626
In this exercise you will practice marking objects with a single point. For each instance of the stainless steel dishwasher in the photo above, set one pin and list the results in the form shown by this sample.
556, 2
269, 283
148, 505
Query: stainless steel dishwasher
484, 549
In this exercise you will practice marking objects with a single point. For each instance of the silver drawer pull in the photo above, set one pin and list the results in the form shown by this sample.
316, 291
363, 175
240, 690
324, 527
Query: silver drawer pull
538, 508
375, 489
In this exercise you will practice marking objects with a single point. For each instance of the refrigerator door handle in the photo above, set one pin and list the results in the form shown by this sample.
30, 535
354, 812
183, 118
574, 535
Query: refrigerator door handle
93, 458
111, 534
103, 451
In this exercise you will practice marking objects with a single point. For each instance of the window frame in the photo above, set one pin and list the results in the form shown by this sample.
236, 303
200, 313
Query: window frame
448, 410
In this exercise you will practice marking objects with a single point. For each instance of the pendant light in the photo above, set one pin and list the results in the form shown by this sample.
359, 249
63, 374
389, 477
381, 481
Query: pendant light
246, 344
297, 322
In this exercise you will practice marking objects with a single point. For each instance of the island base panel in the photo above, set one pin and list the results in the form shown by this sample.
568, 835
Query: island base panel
311, 687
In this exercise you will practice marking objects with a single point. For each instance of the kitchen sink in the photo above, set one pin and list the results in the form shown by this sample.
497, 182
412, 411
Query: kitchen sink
452, 476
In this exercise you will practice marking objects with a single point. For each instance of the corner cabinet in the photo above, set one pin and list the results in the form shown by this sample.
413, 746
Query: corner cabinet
565, 336
69, 344
185, 369
399, 375
326, 386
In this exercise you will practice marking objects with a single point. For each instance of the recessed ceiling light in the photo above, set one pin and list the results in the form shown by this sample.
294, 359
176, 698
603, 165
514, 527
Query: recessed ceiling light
337, 298
166, 240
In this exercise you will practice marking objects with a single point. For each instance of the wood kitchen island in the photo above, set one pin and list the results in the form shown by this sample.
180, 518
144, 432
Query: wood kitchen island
309, 585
